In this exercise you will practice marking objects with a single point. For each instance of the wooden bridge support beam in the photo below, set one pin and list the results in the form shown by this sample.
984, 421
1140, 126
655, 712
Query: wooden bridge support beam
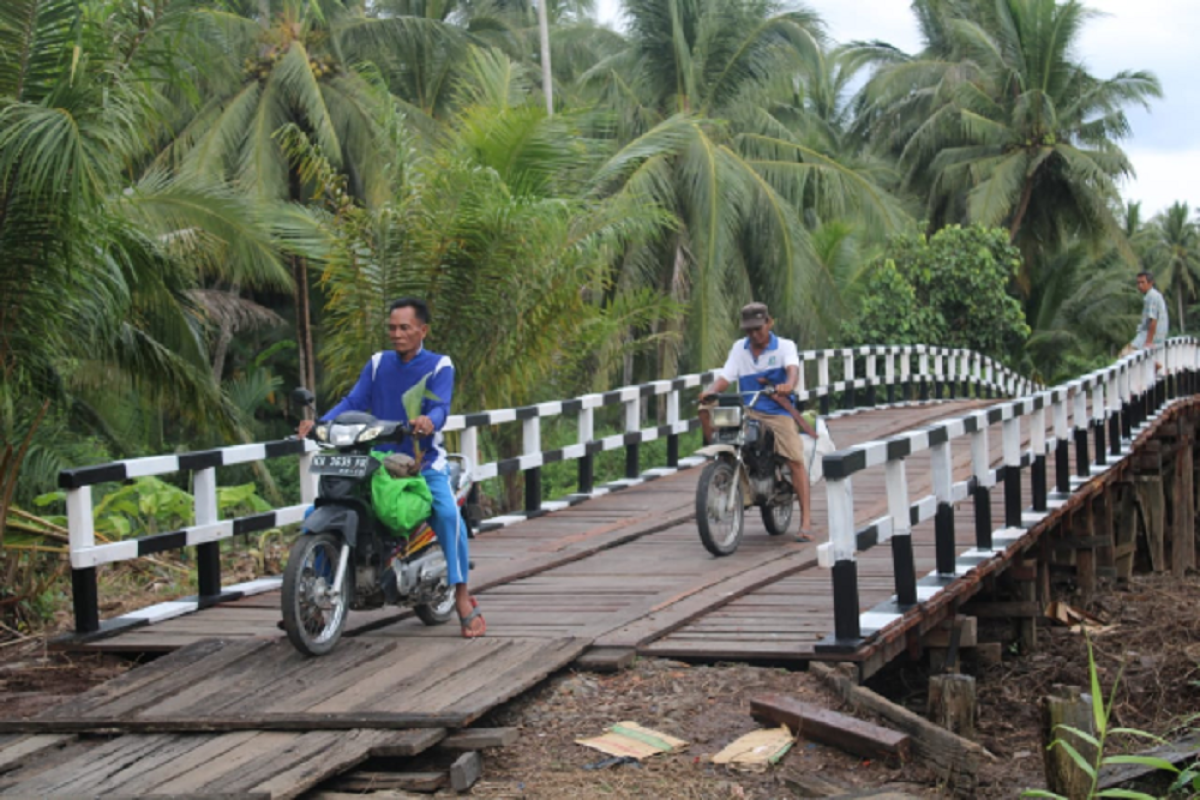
1102, 532
1183, 528
1124, 529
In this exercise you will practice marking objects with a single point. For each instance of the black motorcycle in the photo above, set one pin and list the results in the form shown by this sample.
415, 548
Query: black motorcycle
346, 557
745, 465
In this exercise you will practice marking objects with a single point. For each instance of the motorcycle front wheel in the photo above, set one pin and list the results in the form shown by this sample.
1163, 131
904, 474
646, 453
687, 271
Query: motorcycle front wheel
313, 614
720, 514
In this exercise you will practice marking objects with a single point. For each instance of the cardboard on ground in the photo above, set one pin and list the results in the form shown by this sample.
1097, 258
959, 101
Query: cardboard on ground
631, 739
757, 749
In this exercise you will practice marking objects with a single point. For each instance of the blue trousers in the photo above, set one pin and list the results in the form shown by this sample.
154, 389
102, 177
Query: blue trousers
448, 526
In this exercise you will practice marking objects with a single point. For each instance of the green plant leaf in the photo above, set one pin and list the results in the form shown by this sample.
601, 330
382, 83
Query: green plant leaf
1140, 734
1076, 757
1145, 761
1084, 735
1127, 793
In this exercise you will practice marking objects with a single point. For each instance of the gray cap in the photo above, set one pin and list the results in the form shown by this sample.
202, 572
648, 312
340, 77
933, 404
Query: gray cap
754, 315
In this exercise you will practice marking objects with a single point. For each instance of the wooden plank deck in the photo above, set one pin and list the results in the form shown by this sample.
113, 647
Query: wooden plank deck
234, 710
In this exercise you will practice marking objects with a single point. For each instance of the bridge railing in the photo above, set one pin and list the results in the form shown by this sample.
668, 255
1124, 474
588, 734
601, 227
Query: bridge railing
1098, 415
846, 378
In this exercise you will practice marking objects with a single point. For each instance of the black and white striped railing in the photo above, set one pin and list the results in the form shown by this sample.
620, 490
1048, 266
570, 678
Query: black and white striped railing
1107, 409
854, 377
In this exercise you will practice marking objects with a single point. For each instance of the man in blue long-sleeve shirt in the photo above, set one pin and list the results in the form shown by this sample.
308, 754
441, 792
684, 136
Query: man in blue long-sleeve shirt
380, 390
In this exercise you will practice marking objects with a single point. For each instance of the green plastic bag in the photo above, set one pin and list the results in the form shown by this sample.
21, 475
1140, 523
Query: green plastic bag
400, 503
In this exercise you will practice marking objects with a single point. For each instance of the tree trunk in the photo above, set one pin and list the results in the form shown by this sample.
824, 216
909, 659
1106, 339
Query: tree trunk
1022, 207
544, 36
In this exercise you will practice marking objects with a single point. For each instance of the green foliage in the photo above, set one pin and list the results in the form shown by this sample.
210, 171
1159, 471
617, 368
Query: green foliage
950, 290
149, 505
1102, 714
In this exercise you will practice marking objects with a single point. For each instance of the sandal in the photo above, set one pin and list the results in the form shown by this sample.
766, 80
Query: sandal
468, 622
805, 535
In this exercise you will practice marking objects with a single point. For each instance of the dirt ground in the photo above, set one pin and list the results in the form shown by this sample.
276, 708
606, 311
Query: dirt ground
1151, 639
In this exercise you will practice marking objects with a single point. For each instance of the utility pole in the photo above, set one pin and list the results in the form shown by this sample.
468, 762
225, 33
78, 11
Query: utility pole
547, 81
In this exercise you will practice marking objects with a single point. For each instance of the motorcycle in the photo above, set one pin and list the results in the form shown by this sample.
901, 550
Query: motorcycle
744, 464
346, 558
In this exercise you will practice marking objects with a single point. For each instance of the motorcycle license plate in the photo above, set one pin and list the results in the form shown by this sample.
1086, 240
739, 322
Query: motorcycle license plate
345, 466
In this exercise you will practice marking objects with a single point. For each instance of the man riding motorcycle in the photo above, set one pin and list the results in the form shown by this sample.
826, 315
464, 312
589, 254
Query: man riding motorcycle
380, 390
762, 359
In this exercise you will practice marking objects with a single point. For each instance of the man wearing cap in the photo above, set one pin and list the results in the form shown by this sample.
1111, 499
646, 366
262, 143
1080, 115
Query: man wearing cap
763, 358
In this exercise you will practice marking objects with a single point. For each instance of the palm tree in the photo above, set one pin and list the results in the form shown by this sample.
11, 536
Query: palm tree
92, 243
693, 92
1173, 253
1005, 124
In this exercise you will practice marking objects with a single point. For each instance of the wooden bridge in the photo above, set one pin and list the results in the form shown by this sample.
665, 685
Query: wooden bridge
232, 709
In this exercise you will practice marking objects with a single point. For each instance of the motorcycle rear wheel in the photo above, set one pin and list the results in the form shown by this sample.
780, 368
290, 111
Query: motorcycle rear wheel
720, 511
438, 613
778, 518
313, 615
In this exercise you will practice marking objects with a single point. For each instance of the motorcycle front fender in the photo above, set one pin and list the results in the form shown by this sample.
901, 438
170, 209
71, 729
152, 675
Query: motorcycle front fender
718, 450
334, 518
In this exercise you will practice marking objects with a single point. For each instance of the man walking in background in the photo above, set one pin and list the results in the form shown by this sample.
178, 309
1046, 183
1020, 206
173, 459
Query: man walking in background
1152, 330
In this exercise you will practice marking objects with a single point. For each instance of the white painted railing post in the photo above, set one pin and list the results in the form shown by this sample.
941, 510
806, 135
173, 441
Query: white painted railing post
208, 554
672, 423
1062, 444
849, 400
903, 561
633, 424
81, 535
1037, 441
531, 450
587, 432
1079, 420
309, 481
842, 544
943, 491
981, 468
1012, 466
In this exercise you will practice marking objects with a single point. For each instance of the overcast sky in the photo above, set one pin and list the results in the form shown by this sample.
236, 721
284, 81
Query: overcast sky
1154, 35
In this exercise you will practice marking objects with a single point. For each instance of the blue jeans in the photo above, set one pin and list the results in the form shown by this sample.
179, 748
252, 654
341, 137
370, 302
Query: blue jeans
448, 526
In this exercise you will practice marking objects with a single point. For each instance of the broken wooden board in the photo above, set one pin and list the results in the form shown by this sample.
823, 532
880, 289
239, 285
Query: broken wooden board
369, 682
855, 736
479, 738
18, 749
248, 764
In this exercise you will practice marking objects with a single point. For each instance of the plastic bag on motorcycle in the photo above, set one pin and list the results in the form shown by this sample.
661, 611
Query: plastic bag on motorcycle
815, 450
400, 503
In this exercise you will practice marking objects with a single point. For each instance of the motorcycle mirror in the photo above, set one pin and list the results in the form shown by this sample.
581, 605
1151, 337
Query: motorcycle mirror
302, 396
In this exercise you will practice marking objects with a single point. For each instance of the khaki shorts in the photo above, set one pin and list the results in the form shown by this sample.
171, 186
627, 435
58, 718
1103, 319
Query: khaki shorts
787, 434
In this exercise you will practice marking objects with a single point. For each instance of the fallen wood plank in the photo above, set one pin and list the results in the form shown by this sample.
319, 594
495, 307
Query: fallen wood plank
1186, 749
817, 724
465, 771
1003, 609
374, 780
955, 759
479, 738
606, 659
409, 743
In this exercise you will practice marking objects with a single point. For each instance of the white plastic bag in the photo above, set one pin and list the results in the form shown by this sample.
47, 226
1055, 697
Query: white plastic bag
816, 449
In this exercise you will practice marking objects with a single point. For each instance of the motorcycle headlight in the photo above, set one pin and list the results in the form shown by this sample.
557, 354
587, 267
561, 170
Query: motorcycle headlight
726, 417
342, 435
322, 433
370, 433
